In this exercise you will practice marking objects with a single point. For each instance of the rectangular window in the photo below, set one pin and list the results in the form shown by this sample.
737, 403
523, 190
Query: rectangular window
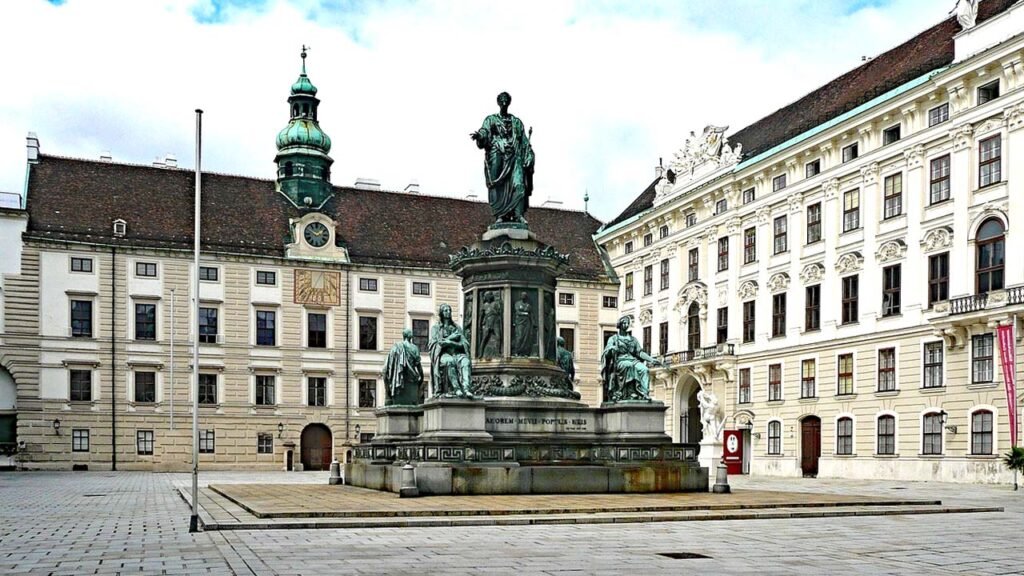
421, 333
81, 385
812, 308
850, 152
938, 115
648, 280
721, 206
744, 386
368, 284
692, 264
664, 274
367, 333
812, 169
628, 247
208, 273
144, 442
886, 435
775, 438
981, 432
569, 335
779, 315
939, 186
891, 135
647, 339
748, 321
844, 378
774, 382
316, 391
814, 223
81, 318
207, 441
145, 321
749, 245
891, 290
723, 253
844, 436
748, 195
81, 265
663, 338
648, 239
691, 219
265, 389
79, 440
933, 365
851, 292
780, 227
808, 379
663, 232
566, 299
981, 358
893, 190
988, 92
145, 387
609, 302
778, 183
931, 434
628, 293
208, 325
938, 278
421, 288
145, 269
886, 369
367, 393
264, 443
266, 278
316, 330
266, 327
851, 210
208, 389
990, 161
722, 329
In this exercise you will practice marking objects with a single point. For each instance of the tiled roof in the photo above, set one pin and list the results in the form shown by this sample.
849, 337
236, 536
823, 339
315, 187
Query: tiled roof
78, 200
929, 50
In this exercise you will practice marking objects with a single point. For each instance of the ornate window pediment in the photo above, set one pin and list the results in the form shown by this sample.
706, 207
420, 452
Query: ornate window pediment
891, 251
850, 262
937, 239
812, 273
778, 283
747, 290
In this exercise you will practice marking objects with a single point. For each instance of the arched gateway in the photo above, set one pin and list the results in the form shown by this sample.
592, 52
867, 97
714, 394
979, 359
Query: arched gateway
316, 447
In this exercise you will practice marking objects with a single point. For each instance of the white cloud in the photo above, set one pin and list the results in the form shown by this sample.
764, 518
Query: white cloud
608, 87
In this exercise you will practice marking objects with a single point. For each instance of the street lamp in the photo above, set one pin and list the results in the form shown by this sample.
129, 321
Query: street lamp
280, 429
358, 428
56, 426
945, 416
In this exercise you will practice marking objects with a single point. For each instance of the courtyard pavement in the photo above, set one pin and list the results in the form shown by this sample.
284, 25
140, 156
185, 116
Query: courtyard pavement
136, 523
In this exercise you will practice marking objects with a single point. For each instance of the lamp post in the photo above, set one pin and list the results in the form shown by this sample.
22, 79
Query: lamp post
280, 429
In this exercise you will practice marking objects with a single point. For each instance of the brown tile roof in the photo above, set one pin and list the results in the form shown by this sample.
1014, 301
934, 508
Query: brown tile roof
78, 200
929, 50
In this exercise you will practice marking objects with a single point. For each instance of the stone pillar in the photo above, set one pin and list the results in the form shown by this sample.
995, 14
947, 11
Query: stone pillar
962, 183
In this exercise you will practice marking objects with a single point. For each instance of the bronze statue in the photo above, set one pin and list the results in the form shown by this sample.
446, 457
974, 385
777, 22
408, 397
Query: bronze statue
449, 357
523, 337
508, 163
491, 320
625, 374
403, 372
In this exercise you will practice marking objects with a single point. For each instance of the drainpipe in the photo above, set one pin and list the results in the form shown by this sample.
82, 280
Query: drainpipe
113, 359
348, 346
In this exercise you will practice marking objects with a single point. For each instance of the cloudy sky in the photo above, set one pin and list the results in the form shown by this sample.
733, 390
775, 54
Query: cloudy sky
607, 86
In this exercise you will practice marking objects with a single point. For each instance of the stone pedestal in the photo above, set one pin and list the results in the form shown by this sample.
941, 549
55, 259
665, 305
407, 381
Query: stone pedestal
396, 423
710, 453
454, 420
633, 421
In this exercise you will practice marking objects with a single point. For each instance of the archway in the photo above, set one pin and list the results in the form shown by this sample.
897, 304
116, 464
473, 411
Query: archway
316, 446
687, 426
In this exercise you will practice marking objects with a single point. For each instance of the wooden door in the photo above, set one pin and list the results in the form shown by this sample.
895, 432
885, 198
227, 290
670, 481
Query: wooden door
316, 447
810, 445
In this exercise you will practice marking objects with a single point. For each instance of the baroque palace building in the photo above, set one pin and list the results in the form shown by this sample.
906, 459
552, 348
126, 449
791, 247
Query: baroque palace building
304, 286
826, 284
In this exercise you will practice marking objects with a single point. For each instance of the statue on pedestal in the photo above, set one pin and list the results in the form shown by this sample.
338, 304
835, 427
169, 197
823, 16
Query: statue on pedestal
508, 163
491, 321
523, 338
710, 420
625, 373
450, 366
403, 373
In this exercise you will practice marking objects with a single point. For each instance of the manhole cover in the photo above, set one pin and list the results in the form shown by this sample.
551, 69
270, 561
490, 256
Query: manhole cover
682, 555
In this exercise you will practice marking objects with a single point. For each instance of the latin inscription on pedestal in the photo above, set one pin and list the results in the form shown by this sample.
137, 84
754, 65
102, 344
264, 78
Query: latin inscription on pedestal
516, 422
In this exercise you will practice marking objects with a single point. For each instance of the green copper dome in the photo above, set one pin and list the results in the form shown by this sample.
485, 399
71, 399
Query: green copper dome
303, 132
303, 85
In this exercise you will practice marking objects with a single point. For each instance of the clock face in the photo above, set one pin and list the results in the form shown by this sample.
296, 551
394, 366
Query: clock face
317, 234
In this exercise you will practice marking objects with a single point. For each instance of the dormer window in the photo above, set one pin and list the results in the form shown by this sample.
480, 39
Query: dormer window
890, 135
120, 228
988, 92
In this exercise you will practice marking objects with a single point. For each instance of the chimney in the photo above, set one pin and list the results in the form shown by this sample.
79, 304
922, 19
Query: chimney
106, 157
32, 142
413, 187
158, 163
171, 161
367, 184
659, 170
550, 203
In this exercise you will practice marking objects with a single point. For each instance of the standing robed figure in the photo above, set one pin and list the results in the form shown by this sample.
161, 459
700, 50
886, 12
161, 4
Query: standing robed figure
508, 163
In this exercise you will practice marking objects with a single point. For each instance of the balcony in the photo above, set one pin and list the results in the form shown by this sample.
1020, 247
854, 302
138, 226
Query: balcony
699, 354
979, 302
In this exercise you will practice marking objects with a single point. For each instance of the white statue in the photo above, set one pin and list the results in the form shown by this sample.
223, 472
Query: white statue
710, 420
966, 13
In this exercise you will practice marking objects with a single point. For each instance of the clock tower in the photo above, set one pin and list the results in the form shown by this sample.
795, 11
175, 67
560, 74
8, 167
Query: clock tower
303, 163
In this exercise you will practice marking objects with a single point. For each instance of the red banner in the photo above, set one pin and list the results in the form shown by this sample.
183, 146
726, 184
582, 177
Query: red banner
1009, 362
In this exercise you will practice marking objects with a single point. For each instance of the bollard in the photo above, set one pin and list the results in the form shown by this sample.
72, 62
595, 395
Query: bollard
408, 488
335, 472
721, 479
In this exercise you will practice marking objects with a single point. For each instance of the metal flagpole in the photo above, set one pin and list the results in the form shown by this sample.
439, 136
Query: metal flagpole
193, 525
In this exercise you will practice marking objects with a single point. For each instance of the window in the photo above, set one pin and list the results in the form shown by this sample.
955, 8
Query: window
812, 169
81, 385
664, 274
991, 255
368, 284
775, 437
981, 432
628, 295
886, 435
421, 288
79, 440
81, 265
145, 321
981, 358
890, 135
778, 183
814, 223
207, 441
893, 199
145, 387
144, 442
367, 393
780, 226
990, 161
721, 206
988, 92
723, 253
266, 278
933, 365
692, 264
850, 152
266, 327
145, 269
812, 308
663, 338
748, 321
208, 273
316, 330
628, 247
851, 289
748, 196
208, 325
844, 436
663, 232
779, 315
420, 333
265, 385
648, 280
316, 391
931, 433
365, 437
891, 286
569, 335
808, 378
81, 318
844, 378
566, 298
207, 388
723, 325
744, 386
367, 333
851, 210
691, 219
939, 187
648, 239
647, 339
938, 278
693, 327
749, 245
264, 443
886, 369
774, 382
609, 302
938, 115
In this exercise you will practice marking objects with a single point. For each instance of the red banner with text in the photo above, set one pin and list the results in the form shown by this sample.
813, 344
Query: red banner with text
1009, 362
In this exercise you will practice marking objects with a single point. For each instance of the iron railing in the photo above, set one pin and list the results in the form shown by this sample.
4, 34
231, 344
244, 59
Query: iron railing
705, 353
976, 302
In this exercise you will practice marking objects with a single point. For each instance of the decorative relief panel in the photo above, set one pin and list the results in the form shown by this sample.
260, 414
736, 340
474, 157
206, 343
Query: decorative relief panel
1013, 117
850, 262
961, 136
914, 156
692, 292
891, 251
869, 173
645, 316
831, 188
778, 283
937, 239
747, 290
812, 274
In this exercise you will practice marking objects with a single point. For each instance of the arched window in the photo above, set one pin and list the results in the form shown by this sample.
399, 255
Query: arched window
931, 433
844, 435
886, 434
295, 111
288, 170
693, 326
991, 249
981, 432
775, 437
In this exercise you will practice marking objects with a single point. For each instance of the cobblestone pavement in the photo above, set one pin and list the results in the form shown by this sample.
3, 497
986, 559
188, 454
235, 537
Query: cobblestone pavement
135, 523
